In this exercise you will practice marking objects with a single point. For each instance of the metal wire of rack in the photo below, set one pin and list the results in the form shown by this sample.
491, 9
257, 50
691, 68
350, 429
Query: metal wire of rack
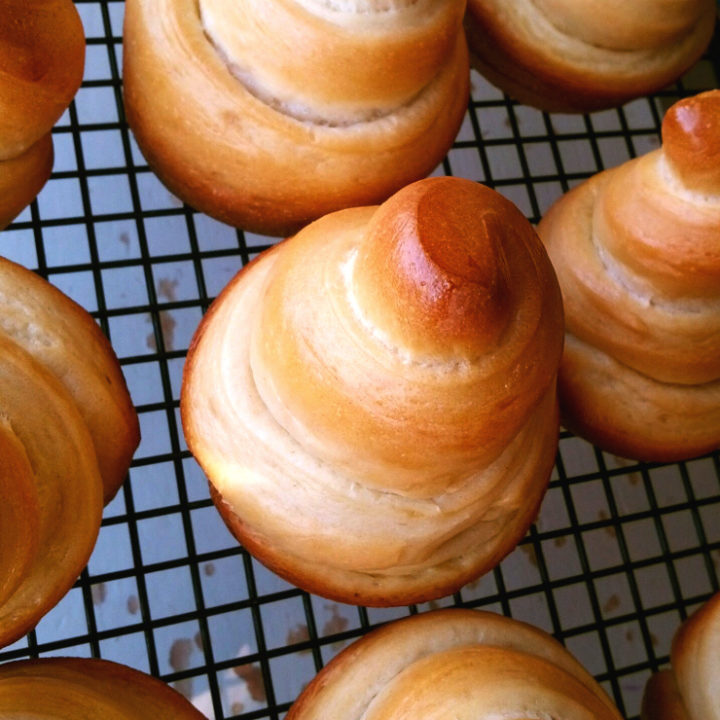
621, 551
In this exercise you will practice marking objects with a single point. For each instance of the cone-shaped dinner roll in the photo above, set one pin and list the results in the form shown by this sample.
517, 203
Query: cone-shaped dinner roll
67, 433
463, 664
373, 400
583, 55
268, 114
637, 253
73, 688
690, 690
42, 56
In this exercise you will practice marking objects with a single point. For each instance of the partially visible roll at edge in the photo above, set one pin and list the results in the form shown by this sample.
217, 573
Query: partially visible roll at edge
454, 663
61, 688
227, 152
22, 178
548, 58
42, 58
690, 690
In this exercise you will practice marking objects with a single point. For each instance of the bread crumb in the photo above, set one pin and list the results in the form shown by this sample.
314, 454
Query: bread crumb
133, 605
99, 593
252, 676
180, 652
297, 634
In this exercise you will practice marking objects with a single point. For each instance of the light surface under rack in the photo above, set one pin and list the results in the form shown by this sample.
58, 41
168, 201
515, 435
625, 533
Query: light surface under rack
620, 554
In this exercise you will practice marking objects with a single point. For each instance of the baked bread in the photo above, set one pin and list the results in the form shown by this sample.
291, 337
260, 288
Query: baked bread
454, 664
67, 433
690, 690
373, 400
584, 55
42, 56
637, 253
72, 688
268, 114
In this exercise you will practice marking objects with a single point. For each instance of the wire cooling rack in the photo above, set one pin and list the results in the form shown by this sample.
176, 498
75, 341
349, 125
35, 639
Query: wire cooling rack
620, 554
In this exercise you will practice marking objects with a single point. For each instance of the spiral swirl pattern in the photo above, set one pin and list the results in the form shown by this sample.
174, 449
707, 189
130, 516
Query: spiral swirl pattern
583, 55
636, 252
374, 400
462, 664
67, 433
269, 114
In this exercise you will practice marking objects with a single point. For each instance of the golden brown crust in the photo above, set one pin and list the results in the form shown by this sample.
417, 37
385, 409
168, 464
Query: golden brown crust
691, 141
67, 433
246, 148
42, 56
22, 178
363, 457
661, 700
69, 688
50, 447
690, 690
636, 253
64, 338
586, 55
454, 663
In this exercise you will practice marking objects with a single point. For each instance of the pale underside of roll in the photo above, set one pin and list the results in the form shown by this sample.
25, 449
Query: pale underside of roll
373, 463
585, 55
460, 664
637, 255
268, 130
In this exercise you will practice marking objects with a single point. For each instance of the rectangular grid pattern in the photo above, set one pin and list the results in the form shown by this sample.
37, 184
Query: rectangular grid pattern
620, 554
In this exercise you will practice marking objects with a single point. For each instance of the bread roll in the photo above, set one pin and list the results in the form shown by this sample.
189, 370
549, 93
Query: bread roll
637, 255
67, 433
584, 55
63, 337
42, 56
373, 400
690, 690
454, 664
73, 688
268, 114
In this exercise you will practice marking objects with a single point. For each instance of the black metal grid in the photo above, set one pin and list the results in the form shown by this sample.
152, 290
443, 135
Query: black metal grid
620, 554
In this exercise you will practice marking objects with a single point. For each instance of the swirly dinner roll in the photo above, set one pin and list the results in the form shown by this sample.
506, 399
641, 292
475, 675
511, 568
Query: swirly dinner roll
583, 55
690, 689
637, 252
373, 400
42, 56
268, 114
67, 433
454, 664
61, 688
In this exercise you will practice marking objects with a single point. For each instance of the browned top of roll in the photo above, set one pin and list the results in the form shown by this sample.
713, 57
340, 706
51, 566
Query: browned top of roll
691, 141
440, 252
42, 55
